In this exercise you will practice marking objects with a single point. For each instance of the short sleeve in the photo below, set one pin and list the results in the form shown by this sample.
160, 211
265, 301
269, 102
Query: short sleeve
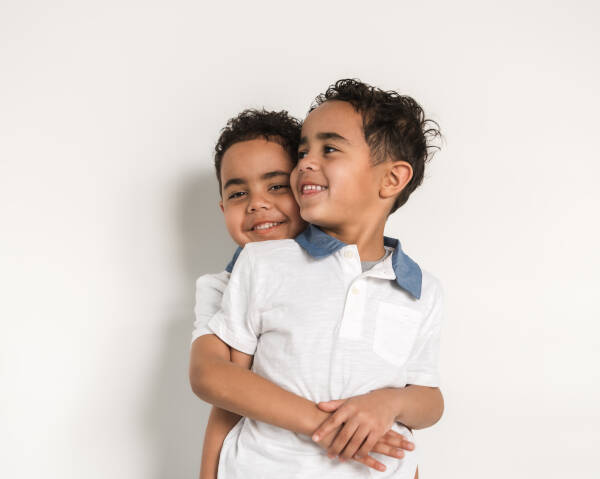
209, 294
422, 365
236, 323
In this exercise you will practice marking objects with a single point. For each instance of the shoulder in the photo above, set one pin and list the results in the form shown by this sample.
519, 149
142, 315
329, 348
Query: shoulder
272, 250
432, 291
213, 281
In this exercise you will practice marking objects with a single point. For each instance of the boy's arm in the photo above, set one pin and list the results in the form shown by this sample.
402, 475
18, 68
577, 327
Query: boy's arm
220, 422
362, 420
215, 379
417, 407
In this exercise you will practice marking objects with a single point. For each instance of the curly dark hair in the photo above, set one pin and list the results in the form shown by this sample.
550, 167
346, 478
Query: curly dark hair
394, 125
276, 126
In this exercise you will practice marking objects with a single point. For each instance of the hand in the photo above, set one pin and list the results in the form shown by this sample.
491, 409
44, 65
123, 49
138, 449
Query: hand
361, 421
391, 444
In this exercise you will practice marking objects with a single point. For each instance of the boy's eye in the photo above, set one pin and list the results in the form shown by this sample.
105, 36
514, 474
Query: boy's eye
279, 187
236, 195
329, 149
301, 154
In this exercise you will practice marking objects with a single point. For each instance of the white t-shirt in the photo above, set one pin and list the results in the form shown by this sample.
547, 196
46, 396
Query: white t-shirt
209, 294
321, 328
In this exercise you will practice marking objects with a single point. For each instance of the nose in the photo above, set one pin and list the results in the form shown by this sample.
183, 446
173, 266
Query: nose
307, 163
257, 202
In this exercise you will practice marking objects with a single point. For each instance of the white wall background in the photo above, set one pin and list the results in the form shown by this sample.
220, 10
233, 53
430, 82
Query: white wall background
108, 116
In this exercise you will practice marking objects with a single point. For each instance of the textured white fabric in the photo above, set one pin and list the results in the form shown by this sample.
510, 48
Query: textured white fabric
209, 294
322, 329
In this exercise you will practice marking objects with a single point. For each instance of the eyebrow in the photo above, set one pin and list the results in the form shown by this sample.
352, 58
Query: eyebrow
327, 135
266, 176
273, 174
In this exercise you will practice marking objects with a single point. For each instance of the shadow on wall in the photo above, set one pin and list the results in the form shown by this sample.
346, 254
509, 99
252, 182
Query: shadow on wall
176, 416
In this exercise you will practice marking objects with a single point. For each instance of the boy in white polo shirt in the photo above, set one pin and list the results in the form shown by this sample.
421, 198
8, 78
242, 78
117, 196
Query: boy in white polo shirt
315, 322
253, 158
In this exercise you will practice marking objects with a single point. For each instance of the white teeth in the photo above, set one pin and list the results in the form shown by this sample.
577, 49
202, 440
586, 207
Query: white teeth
265, 226
313, 188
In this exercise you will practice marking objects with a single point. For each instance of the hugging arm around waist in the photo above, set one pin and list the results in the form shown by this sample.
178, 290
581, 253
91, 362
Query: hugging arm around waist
225, 380
220, 422
232, 386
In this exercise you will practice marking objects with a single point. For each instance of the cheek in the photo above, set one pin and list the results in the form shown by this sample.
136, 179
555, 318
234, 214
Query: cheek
290, 208
294, 182
353, 185
233, 218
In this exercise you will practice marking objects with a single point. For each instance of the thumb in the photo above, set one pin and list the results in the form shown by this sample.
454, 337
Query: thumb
329, 406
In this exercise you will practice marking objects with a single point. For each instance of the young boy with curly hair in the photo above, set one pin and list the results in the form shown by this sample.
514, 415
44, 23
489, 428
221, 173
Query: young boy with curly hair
253, 160
338, 313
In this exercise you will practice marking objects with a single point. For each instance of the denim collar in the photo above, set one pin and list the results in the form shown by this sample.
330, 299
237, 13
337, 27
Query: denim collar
319, 244
229, 267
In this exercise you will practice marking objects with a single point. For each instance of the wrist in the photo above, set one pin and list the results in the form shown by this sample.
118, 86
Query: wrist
394, 398
314, 420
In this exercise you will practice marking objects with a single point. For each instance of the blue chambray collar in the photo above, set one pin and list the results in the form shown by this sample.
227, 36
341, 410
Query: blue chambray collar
319, 244
229, 267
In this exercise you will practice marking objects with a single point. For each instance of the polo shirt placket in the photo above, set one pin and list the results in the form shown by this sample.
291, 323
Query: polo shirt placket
354, 309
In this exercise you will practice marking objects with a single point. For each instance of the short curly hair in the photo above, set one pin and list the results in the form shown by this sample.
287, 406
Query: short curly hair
394, 125
276, 126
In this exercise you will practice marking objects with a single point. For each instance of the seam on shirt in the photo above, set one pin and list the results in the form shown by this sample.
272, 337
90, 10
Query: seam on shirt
423, 379
231, 338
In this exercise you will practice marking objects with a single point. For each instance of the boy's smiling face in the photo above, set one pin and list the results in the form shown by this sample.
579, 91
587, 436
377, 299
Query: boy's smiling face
335, 182
256, 197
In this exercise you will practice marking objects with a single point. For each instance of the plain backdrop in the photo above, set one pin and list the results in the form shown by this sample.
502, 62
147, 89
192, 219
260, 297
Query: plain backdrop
108, 116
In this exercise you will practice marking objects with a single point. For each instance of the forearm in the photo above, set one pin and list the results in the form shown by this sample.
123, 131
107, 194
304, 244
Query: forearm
243, 392
220, 422
215, 379
417, 407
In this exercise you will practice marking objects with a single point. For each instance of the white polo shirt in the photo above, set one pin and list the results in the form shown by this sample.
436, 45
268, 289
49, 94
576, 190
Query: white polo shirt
321, 328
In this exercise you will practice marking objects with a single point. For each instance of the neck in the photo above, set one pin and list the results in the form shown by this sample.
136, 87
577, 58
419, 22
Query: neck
368, 239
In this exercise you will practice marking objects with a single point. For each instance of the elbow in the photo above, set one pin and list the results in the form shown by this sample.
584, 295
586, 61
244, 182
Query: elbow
200, 382
206, 382
439, 407
434, 409
206, 369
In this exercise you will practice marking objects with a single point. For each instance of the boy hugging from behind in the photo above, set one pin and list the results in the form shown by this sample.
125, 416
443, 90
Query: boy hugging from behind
339, 315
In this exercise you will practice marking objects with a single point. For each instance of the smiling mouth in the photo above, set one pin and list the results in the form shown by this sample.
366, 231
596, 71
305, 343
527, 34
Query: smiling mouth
312, 189
266, 227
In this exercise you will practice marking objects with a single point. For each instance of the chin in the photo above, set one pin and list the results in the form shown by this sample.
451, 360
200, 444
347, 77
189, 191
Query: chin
314, 217
309, 214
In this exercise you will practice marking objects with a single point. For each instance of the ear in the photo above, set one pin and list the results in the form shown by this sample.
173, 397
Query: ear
396, 177
221, 206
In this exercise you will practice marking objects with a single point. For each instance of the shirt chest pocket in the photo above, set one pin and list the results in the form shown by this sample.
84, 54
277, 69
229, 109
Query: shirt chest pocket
396, 329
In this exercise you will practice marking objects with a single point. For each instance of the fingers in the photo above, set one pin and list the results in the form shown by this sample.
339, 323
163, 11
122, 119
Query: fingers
372, 463
391, 451
357, 439
392, 445
392, 438
342, 439
329, 425
368, 446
